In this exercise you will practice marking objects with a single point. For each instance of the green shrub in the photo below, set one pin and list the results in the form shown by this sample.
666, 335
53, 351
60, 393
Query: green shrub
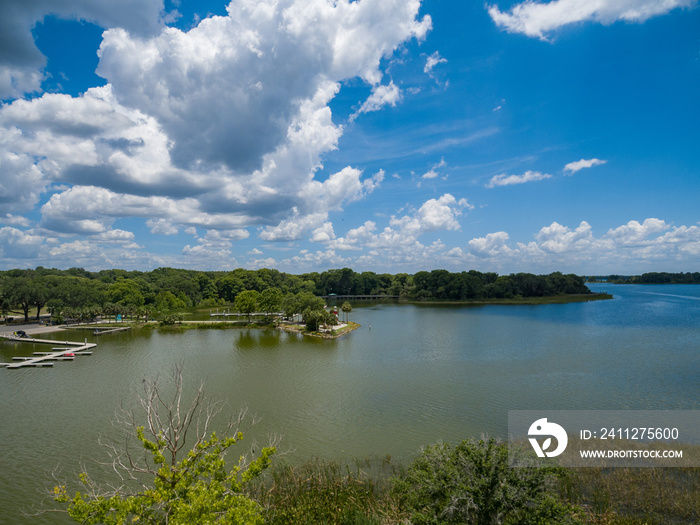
473, 483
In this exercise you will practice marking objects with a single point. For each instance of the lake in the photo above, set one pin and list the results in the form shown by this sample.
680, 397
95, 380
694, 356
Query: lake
420, 374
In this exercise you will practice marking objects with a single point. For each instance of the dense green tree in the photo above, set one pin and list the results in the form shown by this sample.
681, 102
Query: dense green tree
166, 301
310, 301
270, 301
314, 318
247, 301
229, 287
21, 293
125, 292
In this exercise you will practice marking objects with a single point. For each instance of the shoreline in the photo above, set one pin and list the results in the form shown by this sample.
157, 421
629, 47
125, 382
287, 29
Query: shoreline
35, 328
345, 328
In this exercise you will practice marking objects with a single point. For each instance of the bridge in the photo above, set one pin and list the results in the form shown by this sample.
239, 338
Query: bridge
359, 297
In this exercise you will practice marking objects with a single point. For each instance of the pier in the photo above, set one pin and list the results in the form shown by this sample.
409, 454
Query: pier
60, 352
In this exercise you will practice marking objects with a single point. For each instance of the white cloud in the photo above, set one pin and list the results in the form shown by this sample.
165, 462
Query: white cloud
432, 61
559, 239
293, 228
573, 167
441, 214
21, 62
258, 63
398, 243
323, 233
493, 244
318, 259
322, 197
16, 220
537, 19
220, 127
162, 227
18, 244
635, 233
632, 247
507, 180
382, 95
115, 236
433, 172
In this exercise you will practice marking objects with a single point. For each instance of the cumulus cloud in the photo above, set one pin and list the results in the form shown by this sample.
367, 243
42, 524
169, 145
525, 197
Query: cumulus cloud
559, 239
634, 246
227, 91
162, 227
493, 244
635, 233
324, 233
16, 220
21, 62
441, 213
399, 243
18, 244
321, 197
220, 127
537, 19
573, 167
507, 180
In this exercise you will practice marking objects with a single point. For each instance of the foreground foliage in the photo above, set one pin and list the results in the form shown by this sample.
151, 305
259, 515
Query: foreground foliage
473, 483
156, 484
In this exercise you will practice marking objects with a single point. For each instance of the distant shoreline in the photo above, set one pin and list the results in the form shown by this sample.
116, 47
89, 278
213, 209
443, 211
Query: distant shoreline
549, 299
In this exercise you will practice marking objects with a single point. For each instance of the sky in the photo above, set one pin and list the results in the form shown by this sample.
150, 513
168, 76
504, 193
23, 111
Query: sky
381, 135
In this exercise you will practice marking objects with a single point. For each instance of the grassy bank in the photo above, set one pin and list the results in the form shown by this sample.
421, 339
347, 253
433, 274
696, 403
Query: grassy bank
373, 492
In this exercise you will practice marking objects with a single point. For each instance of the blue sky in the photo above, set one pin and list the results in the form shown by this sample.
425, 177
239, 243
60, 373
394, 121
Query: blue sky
383, 135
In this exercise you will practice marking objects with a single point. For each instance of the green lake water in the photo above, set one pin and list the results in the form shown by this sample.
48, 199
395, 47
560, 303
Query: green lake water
420, 374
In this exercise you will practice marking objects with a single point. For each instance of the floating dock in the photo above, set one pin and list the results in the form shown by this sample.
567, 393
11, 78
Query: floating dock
58, 353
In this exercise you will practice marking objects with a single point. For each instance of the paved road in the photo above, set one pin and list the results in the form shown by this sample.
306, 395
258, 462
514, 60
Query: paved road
31, 329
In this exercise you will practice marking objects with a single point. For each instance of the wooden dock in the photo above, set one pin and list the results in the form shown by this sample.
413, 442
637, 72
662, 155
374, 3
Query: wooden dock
43, 359
103, 331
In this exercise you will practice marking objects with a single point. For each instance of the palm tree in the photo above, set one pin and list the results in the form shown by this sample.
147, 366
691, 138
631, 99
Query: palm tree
347, 308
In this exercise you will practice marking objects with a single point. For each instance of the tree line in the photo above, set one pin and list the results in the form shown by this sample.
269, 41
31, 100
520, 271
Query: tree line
78, 293
649, 278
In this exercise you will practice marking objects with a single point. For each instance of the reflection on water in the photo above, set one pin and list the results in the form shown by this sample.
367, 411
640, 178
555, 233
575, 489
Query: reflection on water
422, 374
